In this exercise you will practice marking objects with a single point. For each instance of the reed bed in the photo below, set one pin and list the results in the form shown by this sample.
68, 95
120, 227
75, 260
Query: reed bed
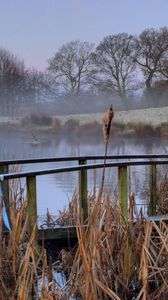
117, 260
113, 260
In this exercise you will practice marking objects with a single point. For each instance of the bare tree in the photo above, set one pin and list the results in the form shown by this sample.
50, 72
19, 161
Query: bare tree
159, 92
164, 67
12, 76
113, 64
38, 89
70, 66
38, 85
151, 50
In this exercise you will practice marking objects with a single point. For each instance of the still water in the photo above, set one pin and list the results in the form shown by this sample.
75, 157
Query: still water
55, 191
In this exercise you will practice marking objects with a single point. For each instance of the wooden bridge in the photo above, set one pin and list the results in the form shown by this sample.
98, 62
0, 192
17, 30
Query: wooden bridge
83, 164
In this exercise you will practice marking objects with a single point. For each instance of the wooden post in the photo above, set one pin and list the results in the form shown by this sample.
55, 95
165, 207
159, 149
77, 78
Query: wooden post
5, 186
31, 204
83, 205
153, 193
122, 190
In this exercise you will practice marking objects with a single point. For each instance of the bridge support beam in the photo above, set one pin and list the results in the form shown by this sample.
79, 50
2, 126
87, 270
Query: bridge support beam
83, 205
31, 204
5, 187
122, 190
153, 190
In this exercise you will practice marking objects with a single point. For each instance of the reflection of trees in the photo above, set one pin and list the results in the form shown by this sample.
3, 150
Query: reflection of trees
121, 147
11, 147
67, 181
139, 180
74, 149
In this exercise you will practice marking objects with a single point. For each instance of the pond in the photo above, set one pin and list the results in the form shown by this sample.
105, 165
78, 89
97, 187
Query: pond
55, 191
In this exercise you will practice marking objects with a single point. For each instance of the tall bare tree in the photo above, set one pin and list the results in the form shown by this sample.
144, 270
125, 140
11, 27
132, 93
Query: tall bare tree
12, 76
113, 64
164, 67
70, 66
151, 51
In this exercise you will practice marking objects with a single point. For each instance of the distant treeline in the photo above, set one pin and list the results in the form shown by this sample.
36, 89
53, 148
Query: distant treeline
126, 70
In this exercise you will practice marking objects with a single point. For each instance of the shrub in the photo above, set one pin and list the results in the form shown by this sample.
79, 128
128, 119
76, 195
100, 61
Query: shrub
71, 125
119, 126
56, 124
164, 126
40, 120
147, 130
93, 129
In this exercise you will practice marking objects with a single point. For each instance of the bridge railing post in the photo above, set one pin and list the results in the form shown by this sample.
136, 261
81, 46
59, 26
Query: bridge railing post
31, 204
122, 190
153, 190
83, 205
5, 186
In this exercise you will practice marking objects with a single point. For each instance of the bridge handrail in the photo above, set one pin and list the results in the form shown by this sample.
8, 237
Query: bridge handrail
81, 167
77, 158
122, 163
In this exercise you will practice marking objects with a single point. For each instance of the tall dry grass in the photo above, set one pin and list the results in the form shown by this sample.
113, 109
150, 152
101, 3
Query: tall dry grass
119, 261
162, 195
113, 260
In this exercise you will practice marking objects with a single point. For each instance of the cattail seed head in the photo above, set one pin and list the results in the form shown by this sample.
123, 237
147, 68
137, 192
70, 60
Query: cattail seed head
107, 123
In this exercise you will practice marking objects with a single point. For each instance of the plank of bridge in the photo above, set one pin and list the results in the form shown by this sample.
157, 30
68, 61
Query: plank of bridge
158, 218
60, 233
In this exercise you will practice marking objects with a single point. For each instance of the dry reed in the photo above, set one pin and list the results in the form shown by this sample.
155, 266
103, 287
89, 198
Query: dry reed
112, 261
119, 261
162, 195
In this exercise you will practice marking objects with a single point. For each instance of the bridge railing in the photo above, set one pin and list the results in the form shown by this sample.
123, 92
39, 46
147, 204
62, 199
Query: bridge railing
121, 162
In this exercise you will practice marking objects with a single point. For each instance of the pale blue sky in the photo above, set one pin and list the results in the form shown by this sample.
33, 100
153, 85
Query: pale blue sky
35, 29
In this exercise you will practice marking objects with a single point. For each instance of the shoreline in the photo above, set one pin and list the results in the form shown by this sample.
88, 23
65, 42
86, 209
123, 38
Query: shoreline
123, 121
152, 116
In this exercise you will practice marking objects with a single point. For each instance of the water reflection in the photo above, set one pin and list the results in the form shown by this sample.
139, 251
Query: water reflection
55, 191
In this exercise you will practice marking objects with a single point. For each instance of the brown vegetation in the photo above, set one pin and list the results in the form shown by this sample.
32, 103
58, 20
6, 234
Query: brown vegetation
114, 259
147, 130
162, 195
37, 120
71, 125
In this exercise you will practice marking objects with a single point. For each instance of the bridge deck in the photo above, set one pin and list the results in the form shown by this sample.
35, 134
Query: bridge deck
69, 232
60, 233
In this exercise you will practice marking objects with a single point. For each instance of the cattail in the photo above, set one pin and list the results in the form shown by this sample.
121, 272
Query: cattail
107, 123
106, 132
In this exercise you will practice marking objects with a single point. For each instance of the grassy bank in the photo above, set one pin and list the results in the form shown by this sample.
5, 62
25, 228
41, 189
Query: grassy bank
150, 116
144, 122
152, 121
